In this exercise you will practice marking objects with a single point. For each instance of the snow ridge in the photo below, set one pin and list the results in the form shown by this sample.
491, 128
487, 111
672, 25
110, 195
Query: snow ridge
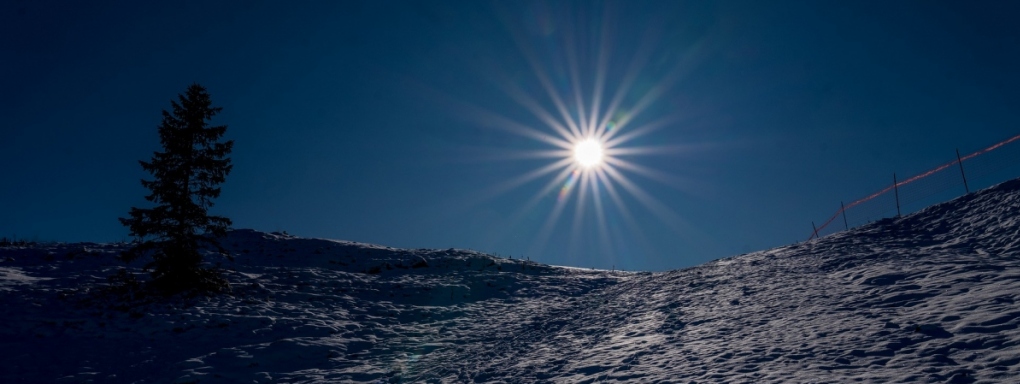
929, 297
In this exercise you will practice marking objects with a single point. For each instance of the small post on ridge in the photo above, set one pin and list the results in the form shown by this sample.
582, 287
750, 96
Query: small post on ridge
958, 161
843, 210
816, 230
896, 189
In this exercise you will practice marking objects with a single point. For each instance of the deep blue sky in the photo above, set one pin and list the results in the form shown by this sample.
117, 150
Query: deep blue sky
393, 122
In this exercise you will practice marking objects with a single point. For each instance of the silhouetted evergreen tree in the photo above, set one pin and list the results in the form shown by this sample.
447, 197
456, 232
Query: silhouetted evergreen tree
185, 178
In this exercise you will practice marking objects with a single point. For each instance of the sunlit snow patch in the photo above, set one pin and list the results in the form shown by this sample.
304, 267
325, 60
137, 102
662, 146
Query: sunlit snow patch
10, 277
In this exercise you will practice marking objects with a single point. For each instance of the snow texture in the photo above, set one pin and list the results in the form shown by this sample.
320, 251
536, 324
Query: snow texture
930, 297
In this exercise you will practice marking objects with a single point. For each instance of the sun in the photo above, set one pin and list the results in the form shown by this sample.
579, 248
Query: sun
588, 153
594, 119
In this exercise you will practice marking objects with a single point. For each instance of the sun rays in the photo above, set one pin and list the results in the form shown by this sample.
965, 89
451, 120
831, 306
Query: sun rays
591, 119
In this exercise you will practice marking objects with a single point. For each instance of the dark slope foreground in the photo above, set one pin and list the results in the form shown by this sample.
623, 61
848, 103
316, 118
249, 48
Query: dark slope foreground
930, 297
302, 310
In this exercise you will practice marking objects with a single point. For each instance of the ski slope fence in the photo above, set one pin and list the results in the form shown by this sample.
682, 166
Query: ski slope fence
964, 174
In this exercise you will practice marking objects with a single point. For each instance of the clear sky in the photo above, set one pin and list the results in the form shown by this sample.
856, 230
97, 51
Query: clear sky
728, 126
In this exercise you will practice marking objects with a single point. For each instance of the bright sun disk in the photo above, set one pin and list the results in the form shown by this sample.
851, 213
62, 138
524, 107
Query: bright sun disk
588, 153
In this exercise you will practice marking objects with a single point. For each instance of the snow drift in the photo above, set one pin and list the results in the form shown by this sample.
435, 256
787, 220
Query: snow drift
929, 297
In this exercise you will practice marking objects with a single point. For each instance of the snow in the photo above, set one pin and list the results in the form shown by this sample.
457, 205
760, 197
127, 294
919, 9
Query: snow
10, 277
929, 297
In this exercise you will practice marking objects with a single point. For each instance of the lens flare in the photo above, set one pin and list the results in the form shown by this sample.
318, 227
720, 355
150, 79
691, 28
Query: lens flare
568, 185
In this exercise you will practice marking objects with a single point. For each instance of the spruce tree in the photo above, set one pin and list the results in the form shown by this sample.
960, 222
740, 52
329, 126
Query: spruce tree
185, 177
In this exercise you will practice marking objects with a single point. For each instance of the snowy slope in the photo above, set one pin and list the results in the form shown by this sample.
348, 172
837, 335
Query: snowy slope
929, 297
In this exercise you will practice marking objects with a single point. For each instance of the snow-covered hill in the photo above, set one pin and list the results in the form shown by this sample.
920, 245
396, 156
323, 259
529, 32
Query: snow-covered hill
930, 297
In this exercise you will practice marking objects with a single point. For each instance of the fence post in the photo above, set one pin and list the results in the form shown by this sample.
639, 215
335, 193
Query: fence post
843, 210
958, 161
896, 189
814, 228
